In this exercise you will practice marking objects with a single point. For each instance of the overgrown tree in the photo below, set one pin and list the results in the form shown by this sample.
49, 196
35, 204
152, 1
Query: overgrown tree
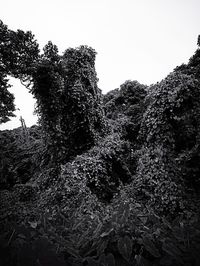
169, 132
68, 100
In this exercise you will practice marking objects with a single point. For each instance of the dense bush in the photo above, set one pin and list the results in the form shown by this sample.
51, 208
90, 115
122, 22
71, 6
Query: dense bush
126, 105
20, 155
103, 168
170, 126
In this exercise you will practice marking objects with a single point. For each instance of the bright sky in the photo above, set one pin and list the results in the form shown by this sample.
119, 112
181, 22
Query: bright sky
135, 39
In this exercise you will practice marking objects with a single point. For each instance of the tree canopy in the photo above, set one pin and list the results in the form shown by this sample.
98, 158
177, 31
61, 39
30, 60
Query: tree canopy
18, 53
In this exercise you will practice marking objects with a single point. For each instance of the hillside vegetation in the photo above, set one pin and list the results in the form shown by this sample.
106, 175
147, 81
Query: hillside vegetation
103, 179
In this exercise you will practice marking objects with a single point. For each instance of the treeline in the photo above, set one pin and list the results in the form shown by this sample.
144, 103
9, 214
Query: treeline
159, 125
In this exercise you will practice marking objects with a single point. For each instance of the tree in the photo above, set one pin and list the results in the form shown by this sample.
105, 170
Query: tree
7, 106
51, 52
193, 66
18, 54
198, 41
68, 100
170, 136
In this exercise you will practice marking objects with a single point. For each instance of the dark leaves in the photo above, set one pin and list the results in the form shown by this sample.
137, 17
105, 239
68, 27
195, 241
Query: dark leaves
150, 247
125, 247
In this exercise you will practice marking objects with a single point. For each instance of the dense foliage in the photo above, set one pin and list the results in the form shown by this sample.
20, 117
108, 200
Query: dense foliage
169, 135
18, 52
126, 105
7, 106
127, 189
21, 154
69, 101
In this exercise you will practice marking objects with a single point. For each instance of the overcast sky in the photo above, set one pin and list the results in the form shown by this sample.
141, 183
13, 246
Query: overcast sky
140, 40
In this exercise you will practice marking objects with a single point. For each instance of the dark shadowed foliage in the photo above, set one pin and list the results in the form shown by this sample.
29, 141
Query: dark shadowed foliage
21, 154
107, 180
68, 101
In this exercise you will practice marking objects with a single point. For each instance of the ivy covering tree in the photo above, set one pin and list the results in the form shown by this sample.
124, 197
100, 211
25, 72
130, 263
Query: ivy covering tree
170, 128
68, 100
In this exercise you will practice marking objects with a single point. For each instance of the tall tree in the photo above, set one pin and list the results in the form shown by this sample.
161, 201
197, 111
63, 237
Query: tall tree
69, 101
18, 53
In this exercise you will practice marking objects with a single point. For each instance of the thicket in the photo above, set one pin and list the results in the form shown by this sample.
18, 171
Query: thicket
170, 139
128, 163
21, 154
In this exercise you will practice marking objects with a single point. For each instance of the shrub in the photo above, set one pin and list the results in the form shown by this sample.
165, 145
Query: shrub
20, 155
